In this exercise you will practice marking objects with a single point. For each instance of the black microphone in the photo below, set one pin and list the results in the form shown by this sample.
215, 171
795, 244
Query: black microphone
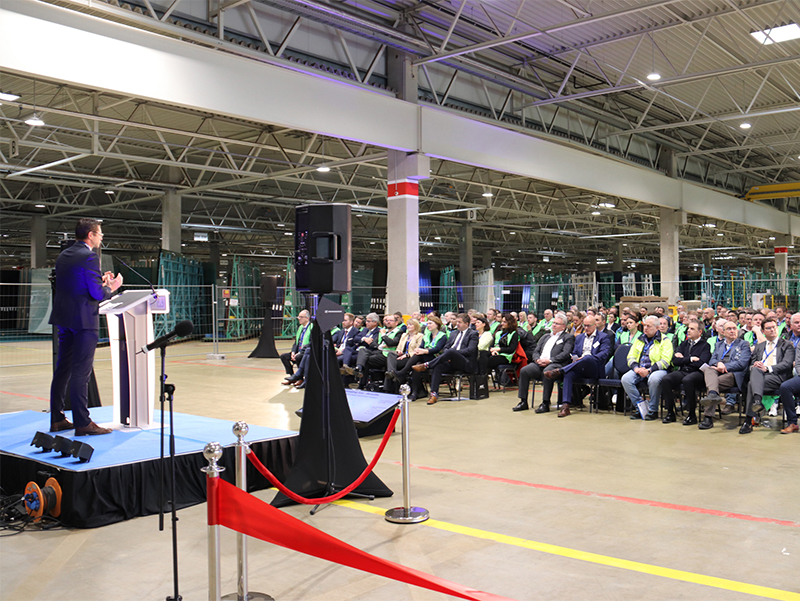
153, 288
184, 328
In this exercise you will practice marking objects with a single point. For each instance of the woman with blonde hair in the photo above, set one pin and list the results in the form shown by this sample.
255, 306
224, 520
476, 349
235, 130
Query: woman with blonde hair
432, 342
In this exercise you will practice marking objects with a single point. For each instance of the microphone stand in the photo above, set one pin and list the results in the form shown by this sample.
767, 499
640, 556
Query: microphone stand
167, 391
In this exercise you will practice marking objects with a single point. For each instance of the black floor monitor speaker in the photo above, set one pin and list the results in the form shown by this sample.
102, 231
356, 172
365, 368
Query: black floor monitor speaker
322, 248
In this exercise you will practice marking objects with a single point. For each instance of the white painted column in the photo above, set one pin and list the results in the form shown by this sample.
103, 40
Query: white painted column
171, 222
670, 273
782, 242
402, 281
38, 242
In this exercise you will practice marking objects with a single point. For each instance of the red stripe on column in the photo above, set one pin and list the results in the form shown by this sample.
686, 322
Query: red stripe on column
781, 249
403, 188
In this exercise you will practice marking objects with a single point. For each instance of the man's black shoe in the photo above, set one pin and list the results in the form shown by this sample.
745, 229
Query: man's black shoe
690, 420
669, 418
636, 415
521, 406
543, 408
706, 424
747, 427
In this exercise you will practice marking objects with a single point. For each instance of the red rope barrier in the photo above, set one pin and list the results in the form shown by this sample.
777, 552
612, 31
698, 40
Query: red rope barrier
242, 512
336, 496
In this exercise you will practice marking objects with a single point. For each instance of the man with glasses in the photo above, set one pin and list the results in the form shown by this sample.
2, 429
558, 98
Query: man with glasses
79, 289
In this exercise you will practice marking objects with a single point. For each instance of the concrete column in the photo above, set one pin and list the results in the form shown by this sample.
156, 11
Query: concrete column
782, 242
486, 259
171, 222
670, 274
402, 281
38, 242
618, 258
465, 254
401, 75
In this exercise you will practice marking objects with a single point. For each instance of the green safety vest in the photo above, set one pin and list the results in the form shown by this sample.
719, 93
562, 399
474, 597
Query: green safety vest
539, 327
680, 332
428, 341
335, 329
305, 333
625, 337
497, 336
712, 342
493, 326
387, 348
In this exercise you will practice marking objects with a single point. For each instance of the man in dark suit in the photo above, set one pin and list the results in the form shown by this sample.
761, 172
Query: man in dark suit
770, 366
301, 344
692, 353
552, 352
790, 389
79, 289
344, 336
459, 354
726, 370
592, 350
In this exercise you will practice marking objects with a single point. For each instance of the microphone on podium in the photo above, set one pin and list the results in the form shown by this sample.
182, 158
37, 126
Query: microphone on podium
184, 328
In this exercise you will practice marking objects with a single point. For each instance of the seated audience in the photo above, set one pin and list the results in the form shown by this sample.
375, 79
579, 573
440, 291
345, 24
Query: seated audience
552, 352
726, 370
589, 355
770, 366
649, 359
460, 354
433, 341
691, 354
410, 340
506, 339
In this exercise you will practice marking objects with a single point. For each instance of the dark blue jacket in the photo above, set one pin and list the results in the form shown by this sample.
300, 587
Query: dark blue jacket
601, 348
736, 360
79, 289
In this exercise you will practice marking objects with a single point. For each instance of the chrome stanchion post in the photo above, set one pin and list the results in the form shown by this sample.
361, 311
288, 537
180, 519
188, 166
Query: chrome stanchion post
212, 452
240, 429
406, 514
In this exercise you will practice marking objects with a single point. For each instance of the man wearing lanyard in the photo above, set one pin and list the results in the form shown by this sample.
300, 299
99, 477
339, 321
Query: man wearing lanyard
726, 370
771, 366
301, 341
648, 358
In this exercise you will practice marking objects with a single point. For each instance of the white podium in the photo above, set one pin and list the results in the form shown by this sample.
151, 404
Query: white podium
130, 327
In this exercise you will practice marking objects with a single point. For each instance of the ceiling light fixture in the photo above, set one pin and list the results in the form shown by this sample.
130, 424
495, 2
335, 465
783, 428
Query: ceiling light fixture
745, 125
487, 194
653, 75
709, 225
596, 213
8, 97
39, 206
34, 121
607, 205
110, 192
782, 33
323, 169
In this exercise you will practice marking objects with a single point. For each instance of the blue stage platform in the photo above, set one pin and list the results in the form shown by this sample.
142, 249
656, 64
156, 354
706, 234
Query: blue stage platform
122, 478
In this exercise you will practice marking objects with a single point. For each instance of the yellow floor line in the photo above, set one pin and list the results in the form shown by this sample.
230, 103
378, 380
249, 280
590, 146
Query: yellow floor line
634, 566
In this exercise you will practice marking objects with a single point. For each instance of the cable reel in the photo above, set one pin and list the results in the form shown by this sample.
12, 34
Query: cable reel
43, 501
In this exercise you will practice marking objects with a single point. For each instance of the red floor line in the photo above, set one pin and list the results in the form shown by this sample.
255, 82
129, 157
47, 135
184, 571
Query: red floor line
689, 508
27, 396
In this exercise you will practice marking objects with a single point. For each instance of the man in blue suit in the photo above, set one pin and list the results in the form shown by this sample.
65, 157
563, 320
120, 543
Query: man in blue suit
589, 356
725, 371
79, 290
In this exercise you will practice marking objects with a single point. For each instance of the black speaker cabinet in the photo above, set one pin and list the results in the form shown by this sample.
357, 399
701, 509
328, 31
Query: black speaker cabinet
322, 248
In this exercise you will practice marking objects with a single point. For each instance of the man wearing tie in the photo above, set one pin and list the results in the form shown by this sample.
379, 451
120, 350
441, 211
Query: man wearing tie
589, 357
460, 354
346, 333
76, 314
552, 352
771, 365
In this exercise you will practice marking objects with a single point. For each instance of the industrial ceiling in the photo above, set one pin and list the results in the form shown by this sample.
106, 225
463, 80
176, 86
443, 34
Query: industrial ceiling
573, 71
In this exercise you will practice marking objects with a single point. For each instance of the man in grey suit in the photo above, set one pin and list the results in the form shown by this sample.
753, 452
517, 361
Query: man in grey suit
552, 352
725, 371
770, 366
79, 290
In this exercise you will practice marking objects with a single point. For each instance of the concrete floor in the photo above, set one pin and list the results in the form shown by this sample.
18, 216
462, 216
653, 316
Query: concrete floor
525, 506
